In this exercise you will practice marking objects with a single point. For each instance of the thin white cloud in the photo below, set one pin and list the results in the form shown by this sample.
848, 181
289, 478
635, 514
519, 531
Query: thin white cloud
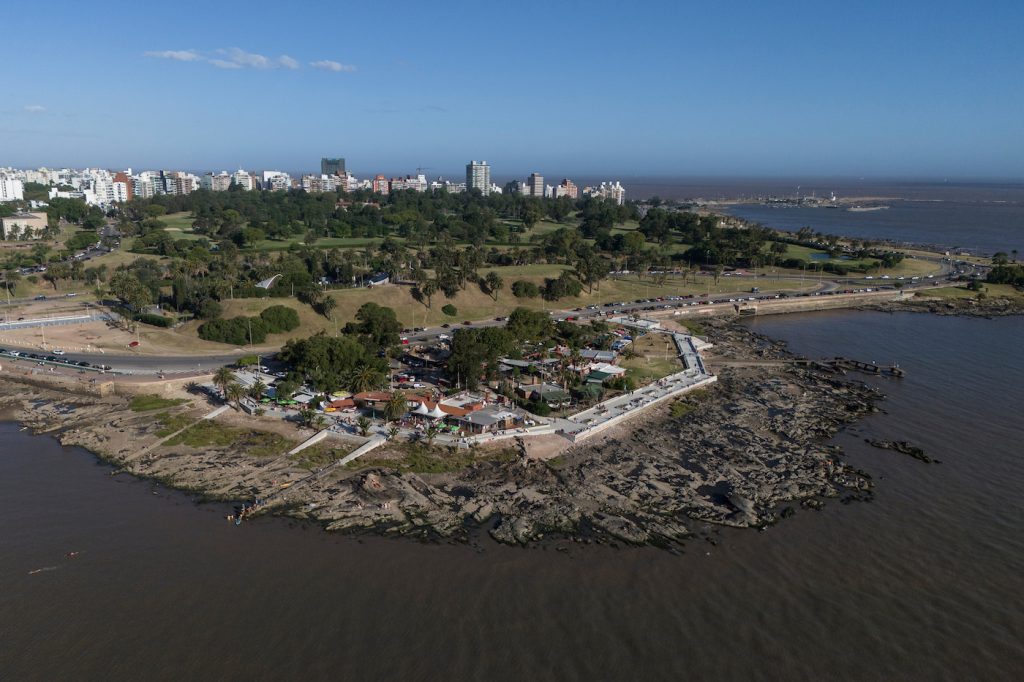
35, 108
177, 55
247, 59
328, 65
234, 58
224, 64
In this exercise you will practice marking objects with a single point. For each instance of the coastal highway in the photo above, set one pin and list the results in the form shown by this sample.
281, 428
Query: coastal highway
131, 363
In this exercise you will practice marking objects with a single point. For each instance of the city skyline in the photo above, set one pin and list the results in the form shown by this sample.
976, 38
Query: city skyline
654, 91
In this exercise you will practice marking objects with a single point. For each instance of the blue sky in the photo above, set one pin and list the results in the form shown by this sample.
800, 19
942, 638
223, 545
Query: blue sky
909, 88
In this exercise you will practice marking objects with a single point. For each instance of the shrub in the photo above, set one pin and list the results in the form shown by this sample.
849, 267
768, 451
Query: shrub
450, 310
538, 408
280, 318
155, 320
208, 309
524, 289
236, 331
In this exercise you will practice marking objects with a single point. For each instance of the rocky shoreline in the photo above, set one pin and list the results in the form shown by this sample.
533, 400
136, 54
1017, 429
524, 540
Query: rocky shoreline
742, 453
989, 308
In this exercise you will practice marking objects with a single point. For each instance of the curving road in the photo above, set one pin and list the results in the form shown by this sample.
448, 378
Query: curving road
139, 364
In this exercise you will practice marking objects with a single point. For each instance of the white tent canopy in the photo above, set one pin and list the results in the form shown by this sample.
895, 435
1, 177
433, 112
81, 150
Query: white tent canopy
422, 409
437, 412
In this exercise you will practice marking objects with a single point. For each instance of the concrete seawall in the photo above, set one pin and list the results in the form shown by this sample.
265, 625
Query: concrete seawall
779, 306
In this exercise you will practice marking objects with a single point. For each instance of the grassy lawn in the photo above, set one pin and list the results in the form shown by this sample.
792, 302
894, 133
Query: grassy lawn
657, 358
316, 456
145, 403
473, 304
169, 423
269, 245
209, 433
181, 222
991, 291
422, 459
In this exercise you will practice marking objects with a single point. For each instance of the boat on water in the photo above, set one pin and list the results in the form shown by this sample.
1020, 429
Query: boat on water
865, 209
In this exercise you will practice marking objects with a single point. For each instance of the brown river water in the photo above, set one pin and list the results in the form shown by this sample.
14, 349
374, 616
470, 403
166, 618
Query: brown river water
923, 583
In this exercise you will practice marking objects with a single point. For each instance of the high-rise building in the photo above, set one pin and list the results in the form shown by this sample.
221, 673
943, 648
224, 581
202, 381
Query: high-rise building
332, 166
122, 186
381, 184
535, 184
566, 188
242, 179
608, 190
478, 176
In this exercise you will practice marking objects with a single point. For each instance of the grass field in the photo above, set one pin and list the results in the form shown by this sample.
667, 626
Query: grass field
473, 304
145, 403
422, 459
991, 291
259, 444
656, 358
181, 222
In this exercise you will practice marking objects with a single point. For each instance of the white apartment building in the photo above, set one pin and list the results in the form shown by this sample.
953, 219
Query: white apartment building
11, 189
243, 180
608, 190
478, 176
276, 180
216, 183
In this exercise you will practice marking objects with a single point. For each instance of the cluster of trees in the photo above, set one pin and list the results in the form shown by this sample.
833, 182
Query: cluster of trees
1006, 274
329, 363
241, 330
475, 352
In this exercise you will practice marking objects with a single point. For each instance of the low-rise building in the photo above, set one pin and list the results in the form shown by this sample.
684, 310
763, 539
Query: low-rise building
23, 226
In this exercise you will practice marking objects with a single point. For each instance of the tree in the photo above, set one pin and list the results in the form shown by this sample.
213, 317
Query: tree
396, 406
494, 284
364, 426
222, 378
326, 306
234, 392
528, 325
363, 378
127, 287
432, 431
377, 323
525, 289
256, 390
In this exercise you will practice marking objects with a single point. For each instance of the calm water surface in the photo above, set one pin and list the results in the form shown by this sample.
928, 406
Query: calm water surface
924, 583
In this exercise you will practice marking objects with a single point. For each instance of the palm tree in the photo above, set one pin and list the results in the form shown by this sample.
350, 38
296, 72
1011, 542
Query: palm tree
364, 425
256, 390
234, 393
432, 432
221, 378
392, 432
363, 378
396, 406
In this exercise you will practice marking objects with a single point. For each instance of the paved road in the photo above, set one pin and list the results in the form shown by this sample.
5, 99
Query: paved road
137, 363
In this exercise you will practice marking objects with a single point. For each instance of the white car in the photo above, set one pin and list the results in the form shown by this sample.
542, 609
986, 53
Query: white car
58, 351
